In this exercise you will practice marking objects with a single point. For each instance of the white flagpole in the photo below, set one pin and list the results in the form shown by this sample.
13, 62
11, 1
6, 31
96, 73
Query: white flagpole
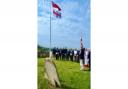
50, 51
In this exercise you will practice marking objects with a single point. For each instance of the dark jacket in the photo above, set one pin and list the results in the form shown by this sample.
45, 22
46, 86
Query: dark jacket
82, 53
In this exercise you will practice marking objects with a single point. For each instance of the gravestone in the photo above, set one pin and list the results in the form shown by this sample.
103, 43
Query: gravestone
51, 73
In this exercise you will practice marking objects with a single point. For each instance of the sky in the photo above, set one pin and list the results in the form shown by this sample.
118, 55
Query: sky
66, 31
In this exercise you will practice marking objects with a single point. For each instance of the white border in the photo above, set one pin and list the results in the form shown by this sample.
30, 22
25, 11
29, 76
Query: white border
18, 44
109, 44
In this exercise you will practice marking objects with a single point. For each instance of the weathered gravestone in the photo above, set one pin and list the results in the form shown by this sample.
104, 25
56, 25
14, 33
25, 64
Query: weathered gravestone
51, 73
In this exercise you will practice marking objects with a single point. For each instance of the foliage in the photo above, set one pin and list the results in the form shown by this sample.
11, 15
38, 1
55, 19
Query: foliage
42, 51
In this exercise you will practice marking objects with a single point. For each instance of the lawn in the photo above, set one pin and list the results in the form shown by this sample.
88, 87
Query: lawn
71, 77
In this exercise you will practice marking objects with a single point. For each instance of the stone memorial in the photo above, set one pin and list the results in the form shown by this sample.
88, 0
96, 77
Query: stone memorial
51, 73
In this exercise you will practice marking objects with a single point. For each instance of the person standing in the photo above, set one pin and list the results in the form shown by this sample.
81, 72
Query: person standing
86, 60
89, 57
82, 50
82, 58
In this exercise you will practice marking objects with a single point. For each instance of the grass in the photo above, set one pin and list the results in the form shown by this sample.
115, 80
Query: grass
71, 77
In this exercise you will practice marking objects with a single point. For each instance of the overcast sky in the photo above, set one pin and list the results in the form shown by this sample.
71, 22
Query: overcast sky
67, 30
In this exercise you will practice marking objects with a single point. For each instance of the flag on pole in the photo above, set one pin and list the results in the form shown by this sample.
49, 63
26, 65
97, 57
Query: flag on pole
56, 10
81, 43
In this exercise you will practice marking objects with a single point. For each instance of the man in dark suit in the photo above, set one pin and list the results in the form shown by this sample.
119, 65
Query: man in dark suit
82, 58
82, 50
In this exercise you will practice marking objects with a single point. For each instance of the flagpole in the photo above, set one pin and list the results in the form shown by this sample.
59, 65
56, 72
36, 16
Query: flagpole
50, 53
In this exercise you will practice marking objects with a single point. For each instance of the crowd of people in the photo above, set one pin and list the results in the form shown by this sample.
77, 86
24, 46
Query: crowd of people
83, 56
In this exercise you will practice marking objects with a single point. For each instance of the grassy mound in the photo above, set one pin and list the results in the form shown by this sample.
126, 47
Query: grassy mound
71, 77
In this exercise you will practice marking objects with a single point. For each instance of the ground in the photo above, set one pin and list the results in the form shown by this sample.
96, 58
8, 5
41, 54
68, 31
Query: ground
71, 77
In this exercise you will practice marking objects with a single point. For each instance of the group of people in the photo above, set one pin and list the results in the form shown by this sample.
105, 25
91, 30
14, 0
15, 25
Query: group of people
66, 54
83, 56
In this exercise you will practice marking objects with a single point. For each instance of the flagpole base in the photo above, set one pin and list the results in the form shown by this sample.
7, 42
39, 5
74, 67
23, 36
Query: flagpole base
50, 54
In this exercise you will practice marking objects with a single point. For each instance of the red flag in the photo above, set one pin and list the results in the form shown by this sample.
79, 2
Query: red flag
56, 10
56, 6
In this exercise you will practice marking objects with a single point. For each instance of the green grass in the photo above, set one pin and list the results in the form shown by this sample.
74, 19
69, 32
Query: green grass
71, 77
